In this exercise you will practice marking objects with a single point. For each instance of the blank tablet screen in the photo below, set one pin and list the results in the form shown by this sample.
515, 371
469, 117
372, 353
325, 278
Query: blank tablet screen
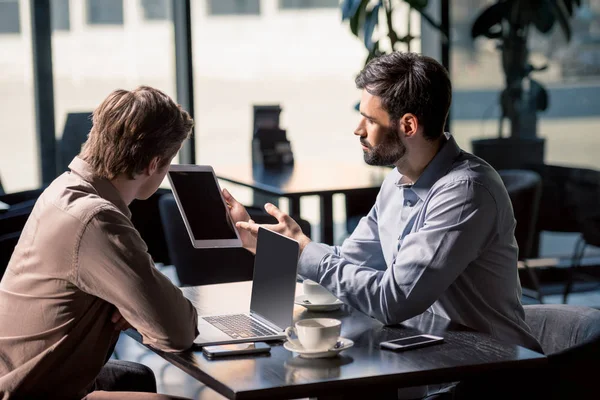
202, 205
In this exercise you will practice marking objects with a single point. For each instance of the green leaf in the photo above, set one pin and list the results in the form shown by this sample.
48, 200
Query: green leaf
358, 18
542, 16
418, 4
562, 16
489, 22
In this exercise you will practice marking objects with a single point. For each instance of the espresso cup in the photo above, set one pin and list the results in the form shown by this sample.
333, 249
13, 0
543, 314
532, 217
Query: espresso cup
316, 293
315, 334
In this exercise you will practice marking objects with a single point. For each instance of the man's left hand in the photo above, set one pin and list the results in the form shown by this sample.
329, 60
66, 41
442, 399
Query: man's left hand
285, 226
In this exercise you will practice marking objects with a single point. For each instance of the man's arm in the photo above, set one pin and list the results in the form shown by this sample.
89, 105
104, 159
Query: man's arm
460, 222
113, 264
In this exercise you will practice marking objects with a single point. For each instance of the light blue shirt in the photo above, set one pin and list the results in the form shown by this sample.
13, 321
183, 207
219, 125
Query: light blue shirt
445, 244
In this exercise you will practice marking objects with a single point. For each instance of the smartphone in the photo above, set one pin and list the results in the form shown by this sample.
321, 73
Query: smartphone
235, 349
411, 342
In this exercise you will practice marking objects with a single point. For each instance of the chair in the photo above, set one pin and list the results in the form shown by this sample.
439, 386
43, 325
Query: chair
570, 337
145, 216
75, 133
8, 242
570, 203
200, 266
357, 206
524, 188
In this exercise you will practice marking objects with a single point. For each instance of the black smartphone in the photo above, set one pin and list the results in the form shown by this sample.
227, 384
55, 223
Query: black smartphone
235, 349
411, 342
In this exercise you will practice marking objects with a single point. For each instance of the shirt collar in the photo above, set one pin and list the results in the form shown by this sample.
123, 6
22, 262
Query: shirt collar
103, 186
438, 167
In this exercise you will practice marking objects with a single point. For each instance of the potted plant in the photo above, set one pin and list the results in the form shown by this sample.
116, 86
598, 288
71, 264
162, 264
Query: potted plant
509, 23
363, 18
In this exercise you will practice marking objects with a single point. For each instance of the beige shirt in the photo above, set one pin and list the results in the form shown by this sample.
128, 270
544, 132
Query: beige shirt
79, 257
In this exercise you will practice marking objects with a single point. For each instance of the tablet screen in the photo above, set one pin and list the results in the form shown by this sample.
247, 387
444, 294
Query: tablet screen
202, 205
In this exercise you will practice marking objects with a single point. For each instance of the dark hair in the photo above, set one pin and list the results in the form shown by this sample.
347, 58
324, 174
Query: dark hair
130, 128
410, 83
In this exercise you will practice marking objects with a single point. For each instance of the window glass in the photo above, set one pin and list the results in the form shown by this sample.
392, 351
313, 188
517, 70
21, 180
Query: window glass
233, 7
59, 11
89, 62
18, 152
572, 79
105, 12
155, 10
9, 16
293, 4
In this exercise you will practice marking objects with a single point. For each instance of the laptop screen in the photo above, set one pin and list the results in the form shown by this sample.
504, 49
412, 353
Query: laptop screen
274, 282
202, 204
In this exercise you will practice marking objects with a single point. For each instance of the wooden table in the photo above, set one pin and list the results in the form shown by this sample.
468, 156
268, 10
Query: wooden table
362, 368
307, 179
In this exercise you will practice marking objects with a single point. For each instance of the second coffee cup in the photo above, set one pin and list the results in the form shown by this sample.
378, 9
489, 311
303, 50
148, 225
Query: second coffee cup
316, 293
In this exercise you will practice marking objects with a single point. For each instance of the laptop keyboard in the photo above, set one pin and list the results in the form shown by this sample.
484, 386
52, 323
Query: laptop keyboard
238, 326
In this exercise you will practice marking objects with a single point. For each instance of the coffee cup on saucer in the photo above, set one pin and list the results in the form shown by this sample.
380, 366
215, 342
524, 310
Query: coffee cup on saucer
317, 294
315, 334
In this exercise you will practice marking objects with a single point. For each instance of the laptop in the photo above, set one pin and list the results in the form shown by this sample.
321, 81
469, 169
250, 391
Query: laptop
272, 300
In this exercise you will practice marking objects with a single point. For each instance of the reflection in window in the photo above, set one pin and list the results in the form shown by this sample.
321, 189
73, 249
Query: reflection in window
233, 7
9, 16
59, 12
105, 12
155, 10
291, 4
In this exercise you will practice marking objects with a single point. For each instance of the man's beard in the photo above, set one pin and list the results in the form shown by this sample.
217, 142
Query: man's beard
386, 153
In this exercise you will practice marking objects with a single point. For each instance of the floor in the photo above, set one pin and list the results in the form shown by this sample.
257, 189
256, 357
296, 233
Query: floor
173, 381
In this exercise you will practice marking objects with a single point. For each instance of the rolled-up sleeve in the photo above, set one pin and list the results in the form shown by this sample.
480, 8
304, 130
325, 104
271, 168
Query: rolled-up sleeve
113, 264
459, 222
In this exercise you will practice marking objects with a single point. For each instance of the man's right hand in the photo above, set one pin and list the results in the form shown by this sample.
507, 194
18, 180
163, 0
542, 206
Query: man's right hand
239, 214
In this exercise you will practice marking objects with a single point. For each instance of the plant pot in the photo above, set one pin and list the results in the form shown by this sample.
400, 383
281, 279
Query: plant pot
510, 153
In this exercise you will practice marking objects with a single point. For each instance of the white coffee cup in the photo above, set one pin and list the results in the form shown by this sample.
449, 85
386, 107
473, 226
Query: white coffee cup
316, 293
315, 334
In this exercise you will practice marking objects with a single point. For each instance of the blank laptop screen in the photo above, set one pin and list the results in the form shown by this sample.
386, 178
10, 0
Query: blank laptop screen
202, 204
274, 282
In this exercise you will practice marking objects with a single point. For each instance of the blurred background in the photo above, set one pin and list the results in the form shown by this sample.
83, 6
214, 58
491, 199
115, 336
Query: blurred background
303, 56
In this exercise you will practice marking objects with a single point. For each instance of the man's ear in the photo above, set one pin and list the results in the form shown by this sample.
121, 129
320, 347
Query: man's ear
153, 166
410, 124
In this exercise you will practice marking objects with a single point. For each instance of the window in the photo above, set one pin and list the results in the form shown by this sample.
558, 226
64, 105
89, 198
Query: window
156, 10
59, 12
297, 4
233, 7
105, 12
9, 16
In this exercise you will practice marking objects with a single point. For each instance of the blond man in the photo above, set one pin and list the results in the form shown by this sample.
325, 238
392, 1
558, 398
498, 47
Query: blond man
81, 272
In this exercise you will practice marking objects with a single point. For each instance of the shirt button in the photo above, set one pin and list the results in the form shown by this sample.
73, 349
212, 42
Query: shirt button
409, 203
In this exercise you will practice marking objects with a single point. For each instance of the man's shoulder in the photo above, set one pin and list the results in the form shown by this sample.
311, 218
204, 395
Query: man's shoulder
75, 199
470, 168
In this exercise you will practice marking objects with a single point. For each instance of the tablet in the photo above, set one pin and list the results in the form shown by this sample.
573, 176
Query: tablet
202, 206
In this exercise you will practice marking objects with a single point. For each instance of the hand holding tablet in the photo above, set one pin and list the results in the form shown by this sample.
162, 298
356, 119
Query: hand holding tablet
204, 211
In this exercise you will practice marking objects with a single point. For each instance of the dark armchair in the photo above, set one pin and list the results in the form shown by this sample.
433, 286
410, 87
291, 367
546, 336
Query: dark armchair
570, 337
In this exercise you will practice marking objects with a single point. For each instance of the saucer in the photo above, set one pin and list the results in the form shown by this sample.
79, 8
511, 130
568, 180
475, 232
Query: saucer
303, 301
342, 344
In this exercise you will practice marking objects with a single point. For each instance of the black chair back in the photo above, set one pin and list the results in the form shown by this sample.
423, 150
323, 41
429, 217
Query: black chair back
524, 189
200, 266
8, 242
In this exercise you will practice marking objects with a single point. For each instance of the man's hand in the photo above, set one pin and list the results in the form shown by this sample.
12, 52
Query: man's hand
239, 214
121, 323
285, 226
